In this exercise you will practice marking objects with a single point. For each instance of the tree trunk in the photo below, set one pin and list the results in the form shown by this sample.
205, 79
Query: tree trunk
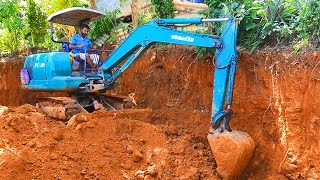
134, 13
93, 4
70, 31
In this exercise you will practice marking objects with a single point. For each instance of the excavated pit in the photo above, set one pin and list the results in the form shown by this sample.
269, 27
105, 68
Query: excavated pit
165, 136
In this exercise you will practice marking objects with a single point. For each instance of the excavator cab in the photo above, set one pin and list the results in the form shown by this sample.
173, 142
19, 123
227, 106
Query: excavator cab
72, 17
53, 71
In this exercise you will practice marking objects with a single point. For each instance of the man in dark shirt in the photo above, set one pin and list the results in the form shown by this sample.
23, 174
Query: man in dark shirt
80, 44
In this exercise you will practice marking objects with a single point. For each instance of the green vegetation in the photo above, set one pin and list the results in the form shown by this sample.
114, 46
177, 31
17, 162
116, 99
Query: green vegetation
11, 25
111, 24
163, 8
271, 22
37, 24
146, 16
104, 25
23, 23
263, 23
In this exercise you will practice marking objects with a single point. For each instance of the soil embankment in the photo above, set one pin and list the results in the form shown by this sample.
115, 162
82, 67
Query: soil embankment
275, 101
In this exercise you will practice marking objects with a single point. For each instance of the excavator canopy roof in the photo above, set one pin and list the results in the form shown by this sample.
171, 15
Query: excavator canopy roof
75, 16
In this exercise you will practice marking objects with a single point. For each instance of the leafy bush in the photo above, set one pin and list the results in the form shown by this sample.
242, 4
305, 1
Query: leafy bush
269, 22
263, 22
308, 21
266, 22
37, 23
6, 40
163, 8
104, 25
145, 17
11, 20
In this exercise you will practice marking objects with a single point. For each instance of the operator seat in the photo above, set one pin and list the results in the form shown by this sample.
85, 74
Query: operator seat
65, 47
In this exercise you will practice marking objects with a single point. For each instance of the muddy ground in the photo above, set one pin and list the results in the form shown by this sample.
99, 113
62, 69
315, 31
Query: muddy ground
164, 136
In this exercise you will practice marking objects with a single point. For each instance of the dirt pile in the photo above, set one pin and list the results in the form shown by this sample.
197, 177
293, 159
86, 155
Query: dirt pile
2, 109
275, 102
102, 145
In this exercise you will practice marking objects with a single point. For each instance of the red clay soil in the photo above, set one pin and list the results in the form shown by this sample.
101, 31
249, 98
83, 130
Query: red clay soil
10, 86
275, 101
101, 145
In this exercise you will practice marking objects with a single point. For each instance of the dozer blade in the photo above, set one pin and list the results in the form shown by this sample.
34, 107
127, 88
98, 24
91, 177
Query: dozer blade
232, 152
60, 107
114, 102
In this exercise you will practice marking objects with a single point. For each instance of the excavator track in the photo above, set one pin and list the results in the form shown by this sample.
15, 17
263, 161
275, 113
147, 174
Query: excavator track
64, 108
113, 102
60, 107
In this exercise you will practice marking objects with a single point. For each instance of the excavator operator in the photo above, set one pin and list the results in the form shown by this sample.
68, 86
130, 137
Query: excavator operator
80, 44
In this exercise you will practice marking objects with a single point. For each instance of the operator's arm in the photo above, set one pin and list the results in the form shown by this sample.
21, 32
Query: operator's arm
71, 46
91, 46
87, 44
73, 43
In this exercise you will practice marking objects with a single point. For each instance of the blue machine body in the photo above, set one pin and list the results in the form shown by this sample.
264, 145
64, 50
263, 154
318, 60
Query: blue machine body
53, 72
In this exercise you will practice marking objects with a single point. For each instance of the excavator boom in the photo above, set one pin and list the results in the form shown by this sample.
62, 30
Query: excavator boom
159, 31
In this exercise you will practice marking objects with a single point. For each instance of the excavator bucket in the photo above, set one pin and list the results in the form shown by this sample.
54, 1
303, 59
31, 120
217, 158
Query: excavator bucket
232, 152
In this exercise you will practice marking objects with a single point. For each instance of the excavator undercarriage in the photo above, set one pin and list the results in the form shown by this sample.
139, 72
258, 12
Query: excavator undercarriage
63, 108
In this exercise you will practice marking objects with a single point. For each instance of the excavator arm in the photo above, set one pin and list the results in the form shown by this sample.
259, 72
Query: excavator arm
159, 31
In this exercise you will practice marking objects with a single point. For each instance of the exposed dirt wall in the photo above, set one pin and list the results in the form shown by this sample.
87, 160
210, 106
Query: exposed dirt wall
275, 101
10, 86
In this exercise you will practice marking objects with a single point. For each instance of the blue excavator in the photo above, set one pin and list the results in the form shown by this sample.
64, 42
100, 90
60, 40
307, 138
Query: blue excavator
53, 71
